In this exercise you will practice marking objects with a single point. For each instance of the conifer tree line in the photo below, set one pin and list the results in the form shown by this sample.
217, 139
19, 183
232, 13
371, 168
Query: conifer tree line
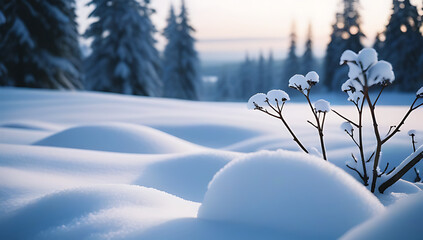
401, 43
39, 48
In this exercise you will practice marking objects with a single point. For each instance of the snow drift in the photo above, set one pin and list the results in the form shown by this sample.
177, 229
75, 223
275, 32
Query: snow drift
402, 220
293, 192
96, 212
118, 137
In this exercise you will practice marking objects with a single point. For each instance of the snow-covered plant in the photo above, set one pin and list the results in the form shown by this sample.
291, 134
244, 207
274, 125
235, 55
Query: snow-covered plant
272, 104
366, 71
275, 100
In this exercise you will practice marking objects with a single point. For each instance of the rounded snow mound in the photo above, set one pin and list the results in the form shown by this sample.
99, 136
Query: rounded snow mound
403, 220
118, 137
79, 213
291, 192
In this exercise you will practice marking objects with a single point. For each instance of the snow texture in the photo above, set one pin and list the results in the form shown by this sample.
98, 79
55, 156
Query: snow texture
257, 100
348, 56
367, 57
400, 221
276, 97
265, 189
381, 73
322, 106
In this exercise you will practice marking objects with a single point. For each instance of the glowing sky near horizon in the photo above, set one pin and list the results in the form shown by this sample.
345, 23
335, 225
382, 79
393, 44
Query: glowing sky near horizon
227, 29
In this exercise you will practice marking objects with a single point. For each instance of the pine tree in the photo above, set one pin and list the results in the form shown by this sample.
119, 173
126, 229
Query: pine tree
291, 64
261, 81
346, 34
403, 45
123, 59
171, 82
39, 44
308, 62
180, 62
188, 60
246, 79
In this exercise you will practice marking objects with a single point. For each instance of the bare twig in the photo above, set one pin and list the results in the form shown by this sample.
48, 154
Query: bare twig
346, 119
384, 171
355, 170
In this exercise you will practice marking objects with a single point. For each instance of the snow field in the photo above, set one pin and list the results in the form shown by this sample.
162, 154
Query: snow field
77, 165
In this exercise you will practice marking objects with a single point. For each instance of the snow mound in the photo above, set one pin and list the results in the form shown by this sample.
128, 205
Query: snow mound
118, 137
93, 212
403, 220
185, 176
288, 191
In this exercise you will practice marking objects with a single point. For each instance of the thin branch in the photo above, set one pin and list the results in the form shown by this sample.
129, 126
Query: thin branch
346, 119
384, 171
353, 157
352, 137
397, 128
312, 124
370, 158
391, 170
355, 170
383, 87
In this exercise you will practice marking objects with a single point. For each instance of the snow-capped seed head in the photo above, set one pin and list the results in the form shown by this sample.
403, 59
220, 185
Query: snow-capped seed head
257, 101
299, 82
419, 93
367, 57
354, 89
346, 126
412, 133
348, 56
322, 106
276, 97
312, 78
380, 73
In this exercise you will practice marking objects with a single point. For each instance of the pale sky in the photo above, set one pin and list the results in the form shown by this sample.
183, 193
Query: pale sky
227, 29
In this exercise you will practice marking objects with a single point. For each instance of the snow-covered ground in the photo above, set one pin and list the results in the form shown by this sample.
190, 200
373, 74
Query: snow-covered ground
80, 165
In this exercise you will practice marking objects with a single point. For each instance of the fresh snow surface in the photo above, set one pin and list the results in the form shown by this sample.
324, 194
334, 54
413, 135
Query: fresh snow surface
400, 221
86, 165
118, 137
266, 189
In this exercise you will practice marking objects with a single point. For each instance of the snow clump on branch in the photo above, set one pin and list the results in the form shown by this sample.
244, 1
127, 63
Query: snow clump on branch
366, 69
322, 106
257, 101
276, 97
346, 126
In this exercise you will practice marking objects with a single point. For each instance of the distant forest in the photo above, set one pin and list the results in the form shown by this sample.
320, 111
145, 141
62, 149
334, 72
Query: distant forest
39, 48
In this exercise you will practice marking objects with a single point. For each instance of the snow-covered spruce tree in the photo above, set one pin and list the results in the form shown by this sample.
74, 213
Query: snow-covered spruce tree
403, 34
181, 75
291, 65
307, 61
333, 52
123, 59
261, 81
39, 44
365, 71
346, 34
